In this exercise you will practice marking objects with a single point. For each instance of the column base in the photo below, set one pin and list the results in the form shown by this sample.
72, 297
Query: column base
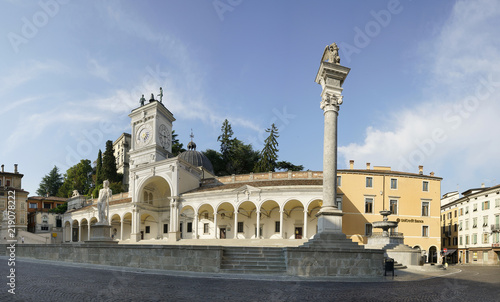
135, 237
330, 220
101, 234
174, 236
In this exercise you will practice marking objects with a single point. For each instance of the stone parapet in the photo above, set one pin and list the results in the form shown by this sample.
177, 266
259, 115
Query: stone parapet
315, 262
177, 258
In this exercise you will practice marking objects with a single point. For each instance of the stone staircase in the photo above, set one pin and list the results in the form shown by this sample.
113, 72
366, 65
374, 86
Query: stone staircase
399, 265
253, 260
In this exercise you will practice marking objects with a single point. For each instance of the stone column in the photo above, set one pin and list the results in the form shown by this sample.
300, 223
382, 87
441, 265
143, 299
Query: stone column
236, 224
88, 230
174, 234
196, 224
64, 233
215, 226
305, 224
331, 76
281, 224
257, 235
121, 228
80, 231
135, 234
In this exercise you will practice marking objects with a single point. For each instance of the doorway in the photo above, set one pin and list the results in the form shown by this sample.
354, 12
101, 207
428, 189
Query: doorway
432, 254
75, 235
298, 232
222, 233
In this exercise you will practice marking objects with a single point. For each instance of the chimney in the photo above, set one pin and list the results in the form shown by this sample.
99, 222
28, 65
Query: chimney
432, 173
2, 168
367, 166
351, 164
15, 168
420, 170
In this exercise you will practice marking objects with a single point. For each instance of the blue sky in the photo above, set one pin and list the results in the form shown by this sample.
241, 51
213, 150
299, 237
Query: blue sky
421, 91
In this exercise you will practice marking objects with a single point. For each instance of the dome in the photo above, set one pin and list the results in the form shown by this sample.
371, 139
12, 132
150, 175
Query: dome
197, 159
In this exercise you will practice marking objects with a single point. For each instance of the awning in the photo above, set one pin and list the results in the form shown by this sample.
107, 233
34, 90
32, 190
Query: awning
450, 251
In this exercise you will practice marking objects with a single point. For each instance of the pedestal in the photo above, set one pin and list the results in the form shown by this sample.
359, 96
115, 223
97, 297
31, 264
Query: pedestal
174, 236
330, 221
101, 234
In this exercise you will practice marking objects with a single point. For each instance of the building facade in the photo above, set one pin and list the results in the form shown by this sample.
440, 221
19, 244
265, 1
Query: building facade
12, 203
40, 220
474, 219
121, 148
179, 198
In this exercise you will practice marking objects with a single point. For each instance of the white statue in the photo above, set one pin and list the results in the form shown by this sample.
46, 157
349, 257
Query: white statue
103, 203
75, 193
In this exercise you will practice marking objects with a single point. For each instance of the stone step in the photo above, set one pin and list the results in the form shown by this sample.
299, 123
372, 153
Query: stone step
244, 271
244, 262
258, 260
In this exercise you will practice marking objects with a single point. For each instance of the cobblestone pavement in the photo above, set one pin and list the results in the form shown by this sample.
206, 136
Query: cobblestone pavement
50, 281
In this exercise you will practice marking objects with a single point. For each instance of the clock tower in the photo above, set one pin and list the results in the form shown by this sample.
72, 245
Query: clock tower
151, 133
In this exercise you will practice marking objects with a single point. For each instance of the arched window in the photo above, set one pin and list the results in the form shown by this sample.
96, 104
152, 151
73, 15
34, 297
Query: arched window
45, 219
146, 196
150, 198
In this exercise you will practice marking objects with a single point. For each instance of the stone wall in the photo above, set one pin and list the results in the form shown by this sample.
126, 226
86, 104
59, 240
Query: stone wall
334, 262
178, 258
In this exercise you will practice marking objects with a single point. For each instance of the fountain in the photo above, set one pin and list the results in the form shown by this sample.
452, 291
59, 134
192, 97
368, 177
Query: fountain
392, 243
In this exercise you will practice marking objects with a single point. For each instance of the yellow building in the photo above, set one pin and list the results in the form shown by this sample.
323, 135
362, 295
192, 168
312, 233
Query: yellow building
12, 204
413, 198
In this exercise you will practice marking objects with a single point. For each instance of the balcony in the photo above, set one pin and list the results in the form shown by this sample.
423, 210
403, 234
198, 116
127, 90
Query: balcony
495, 228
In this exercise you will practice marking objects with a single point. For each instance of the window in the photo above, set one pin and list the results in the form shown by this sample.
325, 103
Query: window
425, 186
276, 226
368, 205
485, 221
460, 240
45, 219
466, 239
455, 214
58, 223
425, 208
205, 215
393, 204
497, 203
474, 222
466, 224
425, 231
368, 229
189, 227
475, 207
165, 228
240, 226
46, 206
33, 206
466, 210
449, 215
148, 229
455, 228
455, 241
444, 217
496, 237
339, 181
474, 238
369, 182
394, 183
485, 238
7, 182
205, 228
486, 205
44, 228
0, 182
339, 203
461, 211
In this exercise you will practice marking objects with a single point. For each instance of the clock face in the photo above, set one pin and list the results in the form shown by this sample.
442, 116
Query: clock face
144, 135
164, 136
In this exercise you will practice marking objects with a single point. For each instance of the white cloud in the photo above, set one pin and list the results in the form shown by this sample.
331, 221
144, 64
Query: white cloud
455, 127
97, 69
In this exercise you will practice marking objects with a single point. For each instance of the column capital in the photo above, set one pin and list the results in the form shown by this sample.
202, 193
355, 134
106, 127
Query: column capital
331, 102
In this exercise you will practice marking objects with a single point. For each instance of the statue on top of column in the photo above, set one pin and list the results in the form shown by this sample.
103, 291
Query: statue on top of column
103, 203
331, 54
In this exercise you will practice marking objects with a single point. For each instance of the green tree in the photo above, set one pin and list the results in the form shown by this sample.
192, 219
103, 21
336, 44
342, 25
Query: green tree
269, 154
78, 177
50, 183
177, 147
227, 147
217, 162
243, 157
288, 166
98, 169
109, 164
